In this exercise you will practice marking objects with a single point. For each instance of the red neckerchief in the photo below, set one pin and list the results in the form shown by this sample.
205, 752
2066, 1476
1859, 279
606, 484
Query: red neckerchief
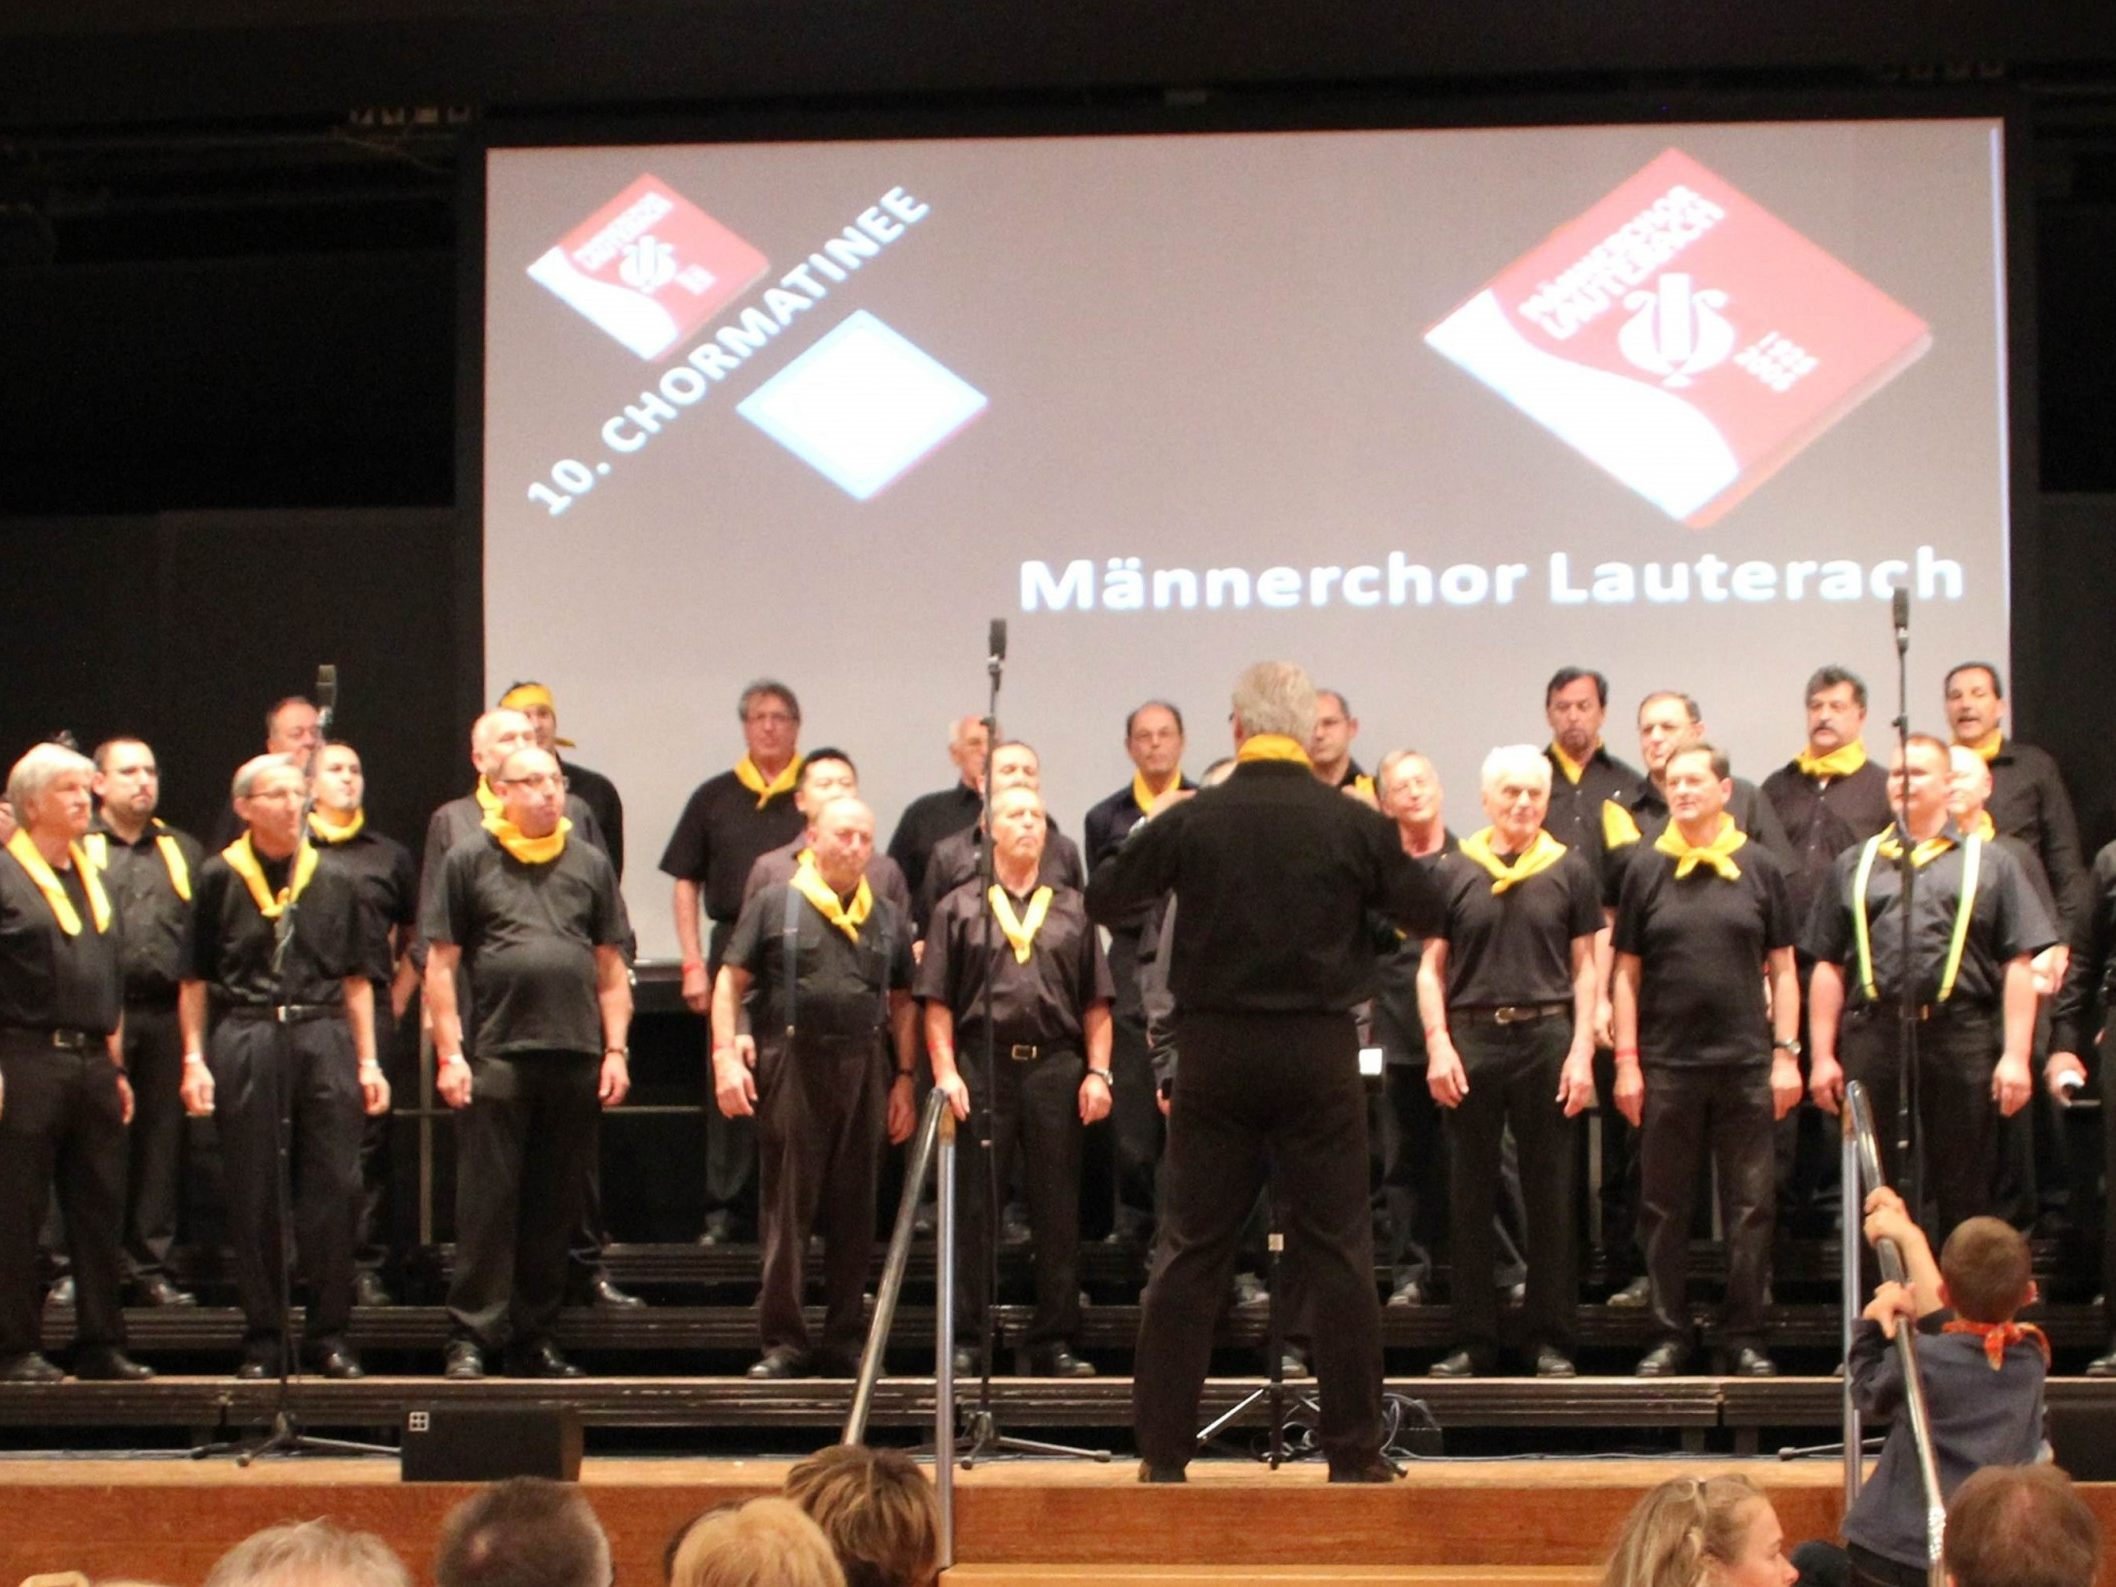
1997, 1336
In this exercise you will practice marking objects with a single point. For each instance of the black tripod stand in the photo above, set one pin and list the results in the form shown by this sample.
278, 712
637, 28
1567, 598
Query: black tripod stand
286, 1436
1273, 1395
980, 1423
1909, 1167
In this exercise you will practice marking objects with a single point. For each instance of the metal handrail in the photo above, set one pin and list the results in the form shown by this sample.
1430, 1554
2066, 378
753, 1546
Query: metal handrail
893, 1269
1891, 1261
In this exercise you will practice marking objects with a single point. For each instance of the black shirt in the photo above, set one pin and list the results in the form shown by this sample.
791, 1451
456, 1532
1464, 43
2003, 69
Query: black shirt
1397, 1026
48, 980
387, 884
841, 987
136, 876
1575, 815
1822, 819
2006, 920
2028, 801
721, 834
1276, 878
1514, 947
600, 795
925, 821
1647, 807
231, 944
1039, 1002
1701, 942
1107, 824
960, 858
883, 876
463, 820
529, 935
2083, 1001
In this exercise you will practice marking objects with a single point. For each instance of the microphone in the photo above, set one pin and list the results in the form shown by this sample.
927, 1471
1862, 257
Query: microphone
996, 642
1902, 617
326, 693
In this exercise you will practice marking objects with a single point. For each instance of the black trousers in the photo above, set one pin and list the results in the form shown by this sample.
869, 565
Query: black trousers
1513, 1081
731, 1186
1414, 1172
521, 1147
374, 1229
61, 1126
821, 1117
154, 1058
1618, 1191
298, 1085
1724, 1111
1957, 1121
1277, 1097
1035, 1124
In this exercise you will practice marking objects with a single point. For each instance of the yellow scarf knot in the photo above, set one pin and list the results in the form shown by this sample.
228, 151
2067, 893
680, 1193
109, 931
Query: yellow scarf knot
1839, 762
809, 883
750, 777
1021, 932
1574, 770
530, 851
242, 860
1272, 746
325, 826
1538, 857
1717, 856
32, 860
1143, 793
1988, 746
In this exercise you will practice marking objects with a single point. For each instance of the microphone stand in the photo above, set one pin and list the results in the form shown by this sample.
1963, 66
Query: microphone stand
1908, 1144
286, 1436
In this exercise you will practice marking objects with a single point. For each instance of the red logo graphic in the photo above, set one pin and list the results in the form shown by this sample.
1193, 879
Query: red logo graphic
650, 267
1683, 338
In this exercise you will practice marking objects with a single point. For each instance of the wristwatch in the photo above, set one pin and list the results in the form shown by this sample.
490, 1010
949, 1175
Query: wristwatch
1106, 1077
1791, 1044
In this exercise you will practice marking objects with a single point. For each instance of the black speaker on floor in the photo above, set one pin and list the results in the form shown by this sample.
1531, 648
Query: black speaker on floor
486, 1443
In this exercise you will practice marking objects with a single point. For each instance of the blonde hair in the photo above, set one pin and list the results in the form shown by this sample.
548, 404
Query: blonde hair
878, 1510
1678, 1527
764, 1543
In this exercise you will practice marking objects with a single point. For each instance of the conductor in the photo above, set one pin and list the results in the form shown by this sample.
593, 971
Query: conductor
1275, 876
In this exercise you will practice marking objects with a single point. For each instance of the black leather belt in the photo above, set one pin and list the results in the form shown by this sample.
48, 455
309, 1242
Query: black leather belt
65, 1038
279, 1013
1951, 1009
1514, 1013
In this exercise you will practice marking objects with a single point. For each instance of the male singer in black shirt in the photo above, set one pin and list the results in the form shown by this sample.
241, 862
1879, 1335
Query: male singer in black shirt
1507, 989
64, 1098
147, 867
2028, 799
2077, 1025
286, 1051
826, 774
1276, 880
1701, 1063
1049, 1035
536, 921
931, 817
959, 857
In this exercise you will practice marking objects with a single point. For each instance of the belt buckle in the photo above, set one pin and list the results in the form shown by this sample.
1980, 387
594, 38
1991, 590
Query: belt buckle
280, 1011
1509, 1014
1022, 1051
69, 1041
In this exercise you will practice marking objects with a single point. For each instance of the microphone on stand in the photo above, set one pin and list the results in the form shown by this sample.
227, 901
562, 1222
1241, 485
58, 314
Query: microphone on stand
1902, 617
327, 695
996, 642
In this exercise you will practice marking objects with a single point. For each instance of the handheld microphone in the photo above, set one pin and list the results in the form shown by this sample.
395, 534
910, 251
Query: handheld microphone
326, 693
996, 641
1902, 617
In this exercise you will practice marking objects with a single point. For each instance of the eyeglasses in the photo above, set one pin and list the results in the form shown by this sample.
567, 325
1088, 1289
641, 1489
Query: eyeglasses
546, 780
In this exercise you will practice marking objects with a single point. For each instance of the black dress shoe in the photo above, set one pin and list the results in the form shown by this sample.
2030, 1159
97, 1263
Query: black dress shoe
107, 1364
61, 1293
156, 1290
465, 1362
369, 1290
1460, 1364
967, 1361
1292, 1366
2104, 1365
1514, 1294
29, 1367
257, 1365
1551, 1362
1634, 1296
337, 1363
1150, 1472
1058, 1361
1749, 1362
1376, 1470
1409, 1293
1249, 1290
603, 1293
779, 1364
540, 1361
1664, 1360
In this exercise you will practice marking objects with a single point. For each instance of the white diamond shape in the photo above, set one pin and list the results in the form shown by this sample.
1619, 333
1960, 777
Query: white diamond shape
863, 405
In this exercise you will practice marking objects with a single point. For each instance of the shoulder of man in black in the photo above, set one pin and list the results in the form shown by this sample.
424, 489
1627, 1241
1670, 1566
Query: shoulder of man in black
1098, 826
684, 856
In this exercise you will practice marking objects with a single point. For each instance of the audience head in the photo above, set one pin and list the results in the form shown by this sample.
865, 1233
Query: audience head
1987, 1270
524, 1532
2021, 1526
764, 1543
1701, 1532
309, 1554
877, 1509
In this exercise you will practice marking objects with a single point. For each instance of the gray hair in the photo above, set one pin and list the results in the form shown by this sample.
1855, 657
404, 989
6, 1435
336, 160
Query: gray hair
1275, 697
482, 731
309, 1554
1395, 758
756, 688
36, 771
1509, 761
248, 773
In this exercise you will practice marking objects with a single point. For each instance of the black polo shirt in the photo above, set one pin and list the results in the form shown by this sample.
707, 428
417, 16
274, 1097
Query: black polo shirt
1822, 818
960, 858
1277, 879
841, 986
925, 821
1701, 941
1575, 816
1039, 1002
1397, 1025
600, 795
529, 935
2082, 1003
48, 980
463, 821
2006, 920
721, 834
136, 876
231, 944
1648, 809
883, 875
2028, 801
1107, 824
1514, 947
387, 884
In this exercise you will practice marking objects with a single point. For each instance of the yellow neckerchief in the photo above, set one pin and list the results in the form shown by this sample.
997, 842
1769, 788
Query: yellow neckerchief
805, 859
1717, 856
1886, 844
1997, 1336
488, 801
32, 860
325, 826
524, 695
1988, 746
1619, 826
1363, 785
1142, 791
1022, 932
809, 883
747, 774
242, 860
530, 851
1839, 762
1539, 856
1272, 746
1982, 826
1574, 770
97, 847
